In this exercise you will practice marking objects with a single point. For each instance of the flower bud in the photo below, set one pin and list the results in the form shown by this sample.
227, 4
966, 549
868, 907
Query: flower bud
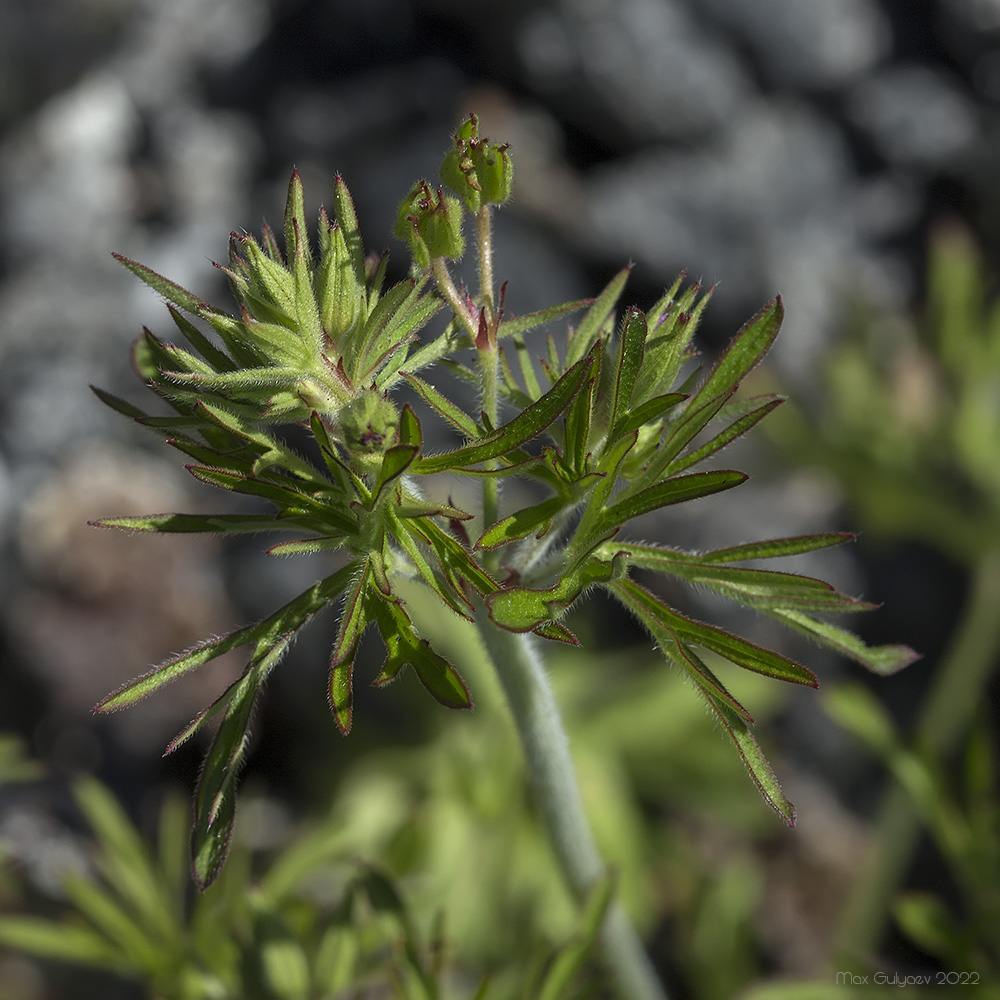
431, 223
368, 423
478, 171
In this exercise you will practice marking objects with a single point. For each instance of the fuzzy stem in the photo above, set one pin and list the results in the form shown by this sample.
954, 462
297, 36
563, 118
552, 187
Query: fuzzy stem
488, 366
949, 707
446, 286
484, 244
546, 750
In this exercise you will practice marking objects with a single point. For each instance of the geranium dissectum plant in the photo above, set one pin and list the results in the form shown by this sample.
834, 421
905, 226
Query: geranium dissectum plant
318, 340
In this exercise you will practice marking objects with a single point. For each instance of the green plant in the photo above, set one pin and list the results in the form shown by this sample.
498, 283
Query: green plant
610, 428
316, 923
910, 427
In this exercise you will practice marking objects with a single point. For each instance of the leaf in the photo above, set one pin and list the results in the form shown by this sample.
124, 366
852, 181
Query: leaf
636, 417
123, 858
218, 524
756, 763
133, 942
677, 490
748, 347
395, 461
882, 660
522, 324
340, 691
577, 420
740, 651
59, 941
630, 354
455, 416
569, 959
657, 619
582, 339
171, 291
772, 548
216, 358
521, 609
295, 214
753, 587
661, 622
530, 422
403, 645
215, 797
726, 437
534, 519
283, 622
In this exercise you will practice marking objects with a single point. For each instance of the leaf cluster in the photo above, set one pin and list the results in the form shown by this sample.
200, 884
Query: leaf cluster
610, 427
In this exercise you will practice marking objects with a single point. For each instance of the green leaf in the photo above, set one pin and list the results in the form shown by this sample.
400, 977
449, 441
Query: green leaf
526, 425
457, 417
244, 380
740, 651
755, 588
215, 798
61, 942
636, 417
285, 621
726, 437
569, 959
395, 462
661, 622
171, 291
133, 942
883, 660
522, 324
630, 354
535, 519
216, 358
305, 546
521, 609
123, 858
658, 621
582, 339
753, 757
576, 423
295, 215
772, 548
455, 560
406, 535
748, 347
403, 645
218, 524
677, 490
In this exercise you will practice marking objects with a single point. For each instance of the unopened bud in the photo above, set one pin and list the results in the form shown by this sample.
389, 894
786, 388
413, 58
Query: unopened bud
431, 223
478, 171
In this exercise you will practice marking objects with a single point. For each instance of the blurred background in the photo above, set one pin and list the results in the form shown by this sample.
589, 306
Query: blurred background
842, 153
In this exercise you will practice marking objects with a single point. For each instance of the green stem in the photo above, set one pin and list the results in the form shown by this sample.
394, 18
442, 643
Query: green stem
484, 244
447, 288
546, 750
949, 707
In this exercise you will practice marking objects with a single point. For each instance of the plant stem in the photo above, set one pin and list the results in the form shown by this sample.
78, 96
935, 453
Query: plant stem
546, 750
484, 245
442, 278
950, 705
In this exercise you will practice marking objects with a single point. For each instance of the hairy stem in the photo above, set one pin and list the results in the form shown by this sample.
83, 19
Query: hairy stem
949, 707
546, 750
443, 280
484, 244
